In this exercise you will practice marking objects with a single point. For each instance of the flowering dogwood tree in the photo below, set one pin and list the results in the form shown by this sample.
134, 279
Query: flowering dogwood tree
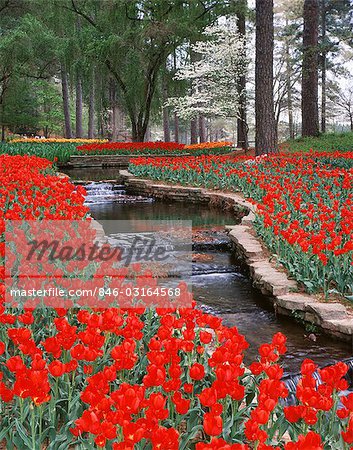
214, 76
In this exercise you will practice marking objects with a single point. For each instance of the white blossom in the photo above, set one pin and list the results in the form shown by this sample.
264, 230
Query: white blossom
214, 77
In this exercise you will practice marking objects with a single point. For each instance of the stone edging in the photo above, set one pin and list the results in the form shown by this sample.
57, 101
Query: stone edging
113, 160
270, 278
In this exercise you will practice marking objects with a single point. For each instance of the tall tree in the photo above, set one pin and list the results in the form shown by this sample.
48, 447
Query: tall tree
26, 52
113, 108
176, 127
323, 65
287, 67
242, 126
91, 106
66, 102
150, 31
289, 86
79, 106
195, 58
50, 114
193, 131
335, 28
202, 128
78, 81
341, 102
166, 125
266, 136
176, 118
310, 86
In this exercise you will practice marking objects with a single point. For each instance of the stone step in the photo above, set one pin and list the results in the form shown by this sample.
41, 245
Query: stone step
269, 288
328, 311
249, 245
344, 326
294, 301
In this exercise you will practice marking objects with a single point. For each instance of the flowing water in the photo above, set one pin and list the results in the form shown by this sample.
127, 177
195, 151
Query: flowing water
219, 284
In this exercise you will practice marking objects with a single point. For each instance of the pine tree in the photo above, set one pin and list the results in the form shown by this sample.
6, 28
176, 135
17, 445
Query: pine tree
310, 107
335, 26
266, 136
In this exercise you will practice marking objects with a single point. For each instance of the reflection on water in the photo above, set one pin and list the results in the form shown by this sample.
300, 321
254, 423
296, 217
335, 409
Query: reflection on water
232, 296
220, 287
201, 215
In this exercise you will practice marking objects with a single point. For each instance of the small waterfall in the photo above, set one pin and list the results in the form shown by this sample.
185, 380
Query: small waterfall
104, 192
291, 381
349, 376
97, 188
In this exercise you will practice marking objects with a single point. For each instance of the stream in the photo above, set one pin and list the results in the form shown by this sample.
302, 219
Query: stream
219, 284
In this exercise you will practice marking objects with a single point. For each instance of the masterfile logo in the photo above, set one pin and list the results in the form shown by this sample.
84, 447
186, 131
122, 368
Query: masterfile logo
66, 264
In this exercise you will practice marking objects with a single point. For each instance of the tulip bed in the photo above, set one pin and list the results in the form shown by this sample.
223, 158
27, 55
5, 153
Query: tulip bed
155, 148
61, 149
304, 207
139, 379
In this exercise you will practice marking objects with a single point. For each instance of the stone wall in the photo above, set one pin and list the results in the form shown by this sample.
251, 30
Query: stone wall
119, 161
231, 202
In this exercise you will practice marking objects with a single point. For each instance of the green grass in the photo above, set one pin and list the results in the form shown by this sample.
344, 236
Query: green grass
323, 143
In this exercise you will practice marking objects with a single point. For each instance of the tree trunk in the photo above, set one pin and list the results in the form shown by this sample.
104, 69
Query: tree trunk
148, 134
98, 105
138, 132
79, 128
166, 127
100, 126
266, 136
176, 128
323, 95
212, 131
310, 110
79, 100
101, 129
289, 88
351, 120
113, 107
323, 66
115, 123
134, 135
140, 125
242, 127
202, 129
46, 110
91, 107
193, 131
66, 102
176, 118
